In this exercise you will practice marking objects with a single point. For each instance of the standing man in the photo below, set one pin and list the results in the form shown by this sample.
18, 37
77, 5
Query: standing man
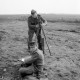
35, 21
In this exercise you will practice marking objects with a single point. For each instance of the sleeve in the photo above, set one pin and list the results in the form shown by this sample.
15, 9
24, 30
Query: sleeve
42, 19
29, 24
30, 59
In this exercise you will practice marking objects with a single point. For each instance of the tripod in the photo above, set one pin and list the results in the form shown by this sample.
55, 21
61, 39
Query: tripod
45, 39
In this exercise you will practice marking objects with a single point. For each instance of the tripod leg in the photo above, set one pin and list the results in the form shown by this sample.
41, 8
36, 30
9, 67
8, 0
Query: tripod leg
42, 41
46, 41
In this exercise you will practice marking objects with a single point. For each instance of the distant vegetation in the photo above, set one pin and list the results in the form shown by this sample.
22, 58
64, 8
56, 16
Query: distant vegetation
62, 18
48, 17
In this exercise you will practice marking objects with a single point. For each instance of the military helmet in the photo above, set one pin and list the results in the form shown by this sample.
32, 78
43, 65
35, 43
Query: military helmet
33, 11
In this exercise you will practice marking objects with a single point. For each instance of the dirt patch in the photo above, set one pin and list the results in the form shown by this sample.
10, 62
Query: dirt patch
64, 43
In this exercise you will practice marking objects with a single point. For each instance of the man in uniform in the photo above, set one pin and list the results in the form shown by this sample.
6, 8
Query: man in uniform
35, 21
34, 63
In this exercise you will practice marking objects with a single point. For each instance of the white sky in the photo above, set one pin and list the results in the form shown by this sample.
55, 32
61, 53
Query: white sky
42, 6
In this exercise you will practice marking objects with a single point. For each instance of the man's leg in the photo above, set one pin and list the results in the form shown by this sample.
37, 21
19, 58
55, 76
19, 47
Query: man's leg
26, 71
30, 37
27, 67
38, 33
39, 71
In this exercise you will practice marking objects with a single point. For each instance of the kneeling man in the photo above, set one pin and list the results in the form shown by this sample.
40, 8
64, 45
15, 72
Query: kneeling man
32, 64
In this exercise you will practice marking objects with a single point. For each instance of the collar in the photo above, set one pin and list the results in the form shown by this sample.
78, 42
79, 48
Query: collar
34, 51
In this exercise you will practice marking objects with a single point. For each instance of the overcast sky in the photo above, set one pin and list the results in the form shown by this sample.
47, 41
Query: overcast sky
42, 6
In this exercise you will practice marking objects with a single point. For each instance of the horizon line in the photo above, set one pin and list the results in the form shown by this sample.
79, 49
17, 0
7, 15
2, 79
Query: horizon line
43, 14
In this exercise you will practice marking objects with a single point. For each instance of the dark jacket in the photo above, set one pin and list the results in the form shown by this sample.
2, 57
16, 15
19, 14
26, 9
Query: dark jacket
32, 22
37, 58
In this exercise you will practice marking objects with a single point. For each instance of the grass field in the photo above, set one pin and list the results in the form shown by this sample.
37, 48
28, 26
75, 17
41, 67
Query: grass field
63, 36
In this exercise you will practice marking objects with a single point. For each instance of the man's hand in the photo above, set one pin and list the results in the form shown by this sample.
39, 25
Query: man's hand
44, 24
19, 62
37, 26
22, 59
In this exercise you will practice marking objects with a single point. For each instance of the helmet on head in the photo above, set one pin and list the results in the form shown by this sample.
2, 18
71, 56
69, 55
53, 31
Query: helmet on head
33, 11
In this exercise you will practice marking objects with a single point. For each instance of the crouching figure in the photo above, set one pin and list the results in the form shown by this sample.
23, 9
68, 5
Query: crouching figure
33, 64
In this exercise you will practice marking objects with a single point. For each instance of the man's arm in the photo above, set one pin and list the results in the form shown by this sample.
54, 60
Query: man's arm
29, 59
44, 22
25, 60
29, 24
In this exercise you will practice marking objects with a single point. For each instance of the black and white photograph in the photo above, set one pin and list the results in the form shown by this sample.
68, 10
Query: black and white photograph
39, 39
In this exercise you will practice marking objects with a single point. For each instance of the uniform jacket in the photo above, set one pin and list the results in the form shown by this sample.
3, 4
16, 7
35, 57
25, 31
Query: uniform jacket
32, 22
37, 58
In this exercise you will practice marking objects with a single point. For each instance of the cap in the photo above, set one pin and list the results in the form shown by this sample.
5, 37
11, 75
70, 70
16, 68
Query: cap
33, 11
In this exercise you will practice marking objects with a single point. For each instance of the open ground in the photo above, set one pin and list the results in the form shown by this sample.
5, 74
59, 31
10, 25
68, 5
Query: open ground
63, 36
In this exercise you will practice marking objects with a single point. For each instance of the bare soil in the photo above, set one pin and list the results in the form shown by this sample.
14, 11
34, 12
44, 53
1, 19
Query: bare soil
64, 42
